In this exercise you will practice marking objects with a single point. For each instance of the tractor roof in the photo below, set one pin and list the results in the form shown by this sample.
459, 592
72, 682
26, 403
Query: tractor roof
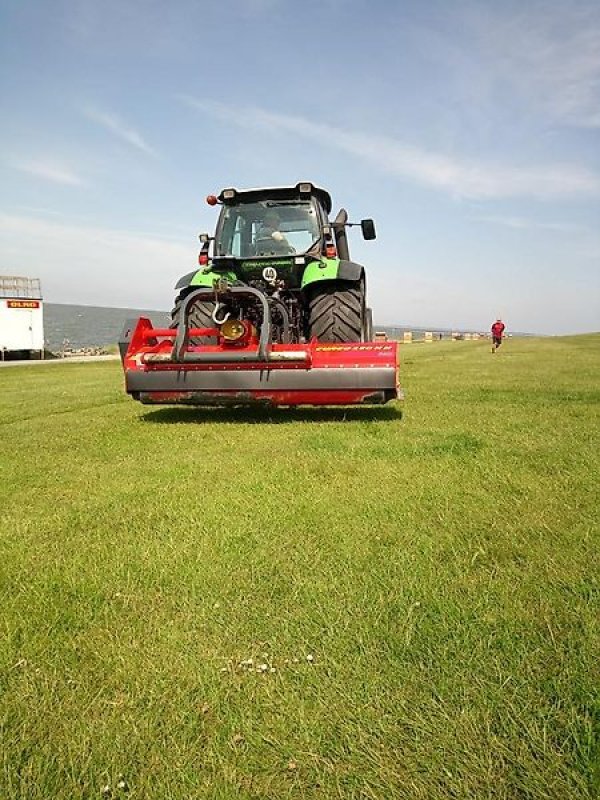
300, 191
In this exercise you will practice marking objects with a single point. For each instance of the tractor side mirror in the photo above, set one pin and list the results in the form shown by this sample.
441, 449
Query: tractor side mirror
368, 229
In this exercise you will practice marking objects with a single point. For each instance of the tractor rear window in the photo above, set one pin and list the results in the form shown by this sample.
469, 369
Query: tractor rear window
267, 228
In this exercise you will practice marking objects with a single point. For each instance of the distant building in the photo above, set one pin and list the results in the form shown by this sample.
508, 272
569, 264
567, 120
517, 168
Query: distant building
21, 316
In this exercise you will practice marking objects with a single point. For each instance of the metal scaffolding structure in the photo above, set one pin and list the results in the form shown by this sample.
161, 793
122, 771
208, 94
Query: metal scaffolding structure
13, 286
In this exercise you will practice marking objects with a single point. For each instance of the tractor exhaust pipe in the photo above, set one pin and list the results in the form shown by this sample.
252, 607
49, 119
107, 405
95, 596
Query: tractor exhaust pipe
339, 230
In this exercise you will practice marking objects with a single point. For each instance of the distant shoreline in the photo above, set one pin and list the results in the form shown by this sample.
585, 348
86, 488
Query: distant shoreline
75, 327
57, 360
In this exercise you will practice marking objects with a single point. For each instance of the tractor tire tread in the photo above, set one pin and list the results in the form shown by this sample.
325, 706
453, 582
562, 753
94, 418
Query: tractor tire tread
337, 313
200, 316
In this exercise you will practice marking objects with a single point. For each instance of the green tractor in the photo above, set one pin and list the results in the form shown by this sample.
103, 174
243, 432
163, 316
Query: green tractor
280, 243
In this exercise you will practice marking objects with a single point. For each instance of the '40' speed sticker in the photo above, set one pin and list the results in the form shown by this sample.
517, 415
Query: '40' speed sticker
269, 274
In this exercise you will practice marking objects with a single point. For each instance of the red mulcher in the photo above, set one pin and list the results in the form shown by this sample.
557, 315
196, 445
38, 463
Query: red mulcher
277, 316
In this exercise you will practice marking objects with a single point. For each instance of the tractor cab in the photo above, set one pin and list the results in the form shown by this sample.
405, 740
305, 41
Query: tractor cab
271, 223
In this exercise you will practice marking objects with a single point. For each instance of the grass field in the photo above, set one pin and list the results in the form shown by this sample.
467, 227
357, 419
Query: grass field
310, 603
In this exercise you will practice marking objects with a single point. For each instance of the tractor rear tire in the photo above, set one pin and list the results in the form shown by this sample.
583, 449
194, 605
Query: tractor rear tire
200, 316
337, 312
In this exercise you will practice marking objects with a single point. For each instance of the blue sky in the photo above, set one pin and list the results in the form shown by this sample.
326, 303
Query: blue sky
469, 131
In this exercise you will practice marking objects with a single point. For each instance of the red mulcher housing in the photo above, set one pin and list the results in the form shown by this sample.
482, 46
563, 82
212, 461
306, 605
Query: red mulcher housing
278, 323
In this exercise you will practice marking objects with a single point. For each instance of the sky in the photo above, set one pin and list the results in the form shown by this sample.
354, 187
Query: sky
469, 131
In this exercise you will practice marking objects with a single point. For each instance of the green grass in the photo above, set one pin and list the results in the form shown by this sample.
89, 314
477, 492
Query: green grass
441, 568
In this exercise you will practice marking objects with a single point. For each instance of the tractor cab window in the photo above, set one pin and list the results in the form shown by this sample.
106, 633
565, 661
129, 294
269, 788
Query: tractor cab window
268, 228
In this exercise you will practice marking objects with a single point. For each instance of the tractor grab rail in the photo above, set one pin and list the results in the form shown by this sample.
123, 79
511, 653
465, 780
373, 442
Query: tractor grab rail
181, 355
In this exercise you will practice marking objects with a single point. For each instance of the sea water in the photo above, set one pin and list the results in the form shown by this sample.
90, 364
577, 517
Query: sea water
74, 327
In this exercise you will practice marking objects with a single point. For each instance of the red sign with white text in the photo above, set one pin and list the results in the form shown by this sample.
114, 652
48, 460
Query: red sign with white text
23, 303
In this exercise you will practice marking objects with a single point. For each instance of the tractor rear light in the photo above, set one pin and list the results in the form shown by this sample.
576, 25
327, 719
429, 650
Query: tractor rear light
203, 255
211, 200
330, 251
237, 331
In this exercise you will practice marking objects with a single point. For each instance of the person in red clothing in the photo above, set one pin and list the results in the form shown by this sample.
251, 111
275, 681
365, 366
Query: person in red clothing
497, 333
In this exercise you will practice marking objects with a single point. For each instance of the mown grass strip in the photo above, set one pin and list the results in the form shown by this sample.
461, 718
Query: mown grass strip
418, 595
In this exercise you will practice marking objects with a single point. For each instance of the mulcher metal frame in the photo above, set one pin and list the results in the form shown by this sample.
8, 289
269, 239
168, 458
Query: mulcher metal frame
161, 367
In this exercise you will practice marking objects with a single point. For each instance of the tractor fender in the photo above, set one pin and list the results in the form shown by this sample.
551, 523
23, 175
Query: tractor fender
332, 269
350, 271
201, 277
185, 280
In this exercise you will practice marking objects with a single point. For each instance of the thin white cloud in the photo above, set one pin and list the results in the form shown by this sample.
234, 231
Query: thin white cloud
462, 177
547, 53
120, 268
522, 223
120, 129
47, 169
